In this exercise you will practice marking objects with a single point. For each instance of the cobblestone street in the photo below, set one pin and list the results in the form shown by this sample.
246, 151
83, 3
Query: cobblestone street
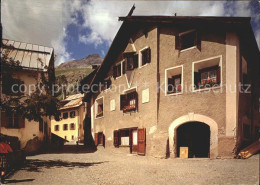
106, 167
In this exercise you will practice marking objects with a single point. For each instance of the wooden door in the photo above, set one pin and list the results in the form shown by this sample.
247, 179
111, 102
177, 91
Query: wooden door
141, 141
116, 138
96, 139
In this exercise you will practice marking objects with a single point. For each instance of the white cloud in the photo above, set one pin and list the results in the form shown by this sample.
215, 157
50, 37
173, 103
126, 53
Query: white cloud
39, 22
44, 22
92, 38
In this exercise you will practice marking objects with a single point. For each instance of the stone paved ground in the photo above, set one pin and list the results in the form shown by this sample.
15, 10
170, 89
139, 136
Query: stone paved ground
106, 167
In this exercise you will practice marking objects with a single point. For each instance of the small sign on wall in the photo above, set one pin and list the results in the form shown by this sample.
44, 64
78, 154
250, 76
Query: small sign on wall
112, 105
145, 96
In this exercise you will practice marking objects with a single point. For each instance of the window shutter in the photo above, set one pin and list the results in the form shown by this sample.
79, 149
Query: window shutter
116, 138
3, 119
135, 58
122, 101
177, 42
198, 40
196, 78
136, 99
148, 55
114, 71
170, 85
218, 75
123, 67
96, 139
21, 121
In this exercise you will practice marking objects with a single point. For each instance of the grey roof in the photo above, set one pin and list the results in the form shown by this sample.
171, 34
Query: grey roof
30, 56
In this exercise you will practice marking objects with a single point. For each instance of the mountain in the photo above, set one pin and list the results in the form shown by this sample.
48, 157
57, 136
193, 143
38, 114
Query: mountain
82, 63
76, 70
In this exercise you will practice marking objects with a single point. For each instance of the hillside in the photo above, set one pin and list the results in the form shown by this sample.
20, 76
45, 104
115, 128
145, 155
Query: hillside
82, 63
75, 70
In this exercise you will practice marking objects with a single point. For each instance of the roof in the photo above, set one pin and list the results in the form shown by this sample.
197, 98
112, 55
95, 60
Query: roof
72, 101
176, 19
132, 23
30, 56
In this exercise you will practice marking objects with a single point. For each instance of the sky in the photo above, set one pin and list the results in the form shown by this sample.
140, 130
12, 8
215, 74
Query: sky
78, 28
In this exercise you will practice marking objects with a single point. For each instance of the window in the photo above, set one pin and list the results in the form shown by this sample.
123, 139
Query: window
65, 126
12, 120
65, 137
146, 56
131, 60
187, 39
207, 73
65, 115
72, 114
72, 137
56, 127
128, 102
15, 87
117, 70
99, 107
173, 77
72, 126
107, 83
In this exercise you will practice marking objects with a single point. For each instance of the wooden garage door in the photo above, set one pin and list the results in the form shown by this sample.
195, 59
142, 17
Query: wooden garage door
141, 141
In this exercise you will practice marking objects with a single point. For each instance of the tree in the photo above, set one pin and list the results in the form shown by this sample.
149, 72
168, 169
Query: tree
33, 106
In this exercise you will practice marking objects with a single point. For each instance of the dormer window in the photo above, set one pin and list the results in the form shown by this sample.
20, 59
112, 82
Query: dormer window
187, 39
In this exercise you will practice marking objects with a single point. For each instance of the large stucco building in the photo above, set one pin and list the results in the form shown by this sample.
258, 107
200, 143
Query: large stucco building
174, 81
35, 61
72, 115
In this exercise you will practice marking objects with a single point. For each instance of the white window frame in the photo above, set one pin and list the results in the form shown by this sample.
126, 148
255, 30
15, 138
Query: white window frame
121, 71
221, 69
166, 81
96, 107
140, 57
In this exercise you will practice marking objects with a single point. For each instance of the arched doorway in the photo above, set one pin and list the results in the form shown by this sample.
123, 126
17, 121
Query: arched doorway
195, 136
191, 117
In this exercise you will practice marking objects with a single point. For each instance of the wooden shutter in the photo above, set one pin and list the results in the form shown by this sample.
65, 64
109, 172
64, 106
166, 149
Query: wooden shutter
170, 85
123, 67
114, 71
103, 137
96, 139
136, 99
177, 42
218, 75
3, 119
116, 138
141, 141
21, 122
135, 58
122, 101
196, 78
148, 55
198, 40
